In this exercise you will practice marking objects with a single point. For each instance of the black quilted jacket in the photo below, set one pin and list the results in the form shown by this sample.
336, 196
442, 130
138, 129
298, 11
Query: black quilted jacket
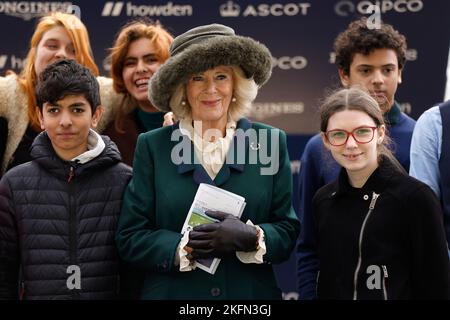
58, 233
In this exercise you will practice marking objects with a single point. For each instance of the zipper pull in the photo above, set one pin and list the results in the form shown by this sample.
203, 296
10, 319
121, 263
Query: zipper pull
374, 199
385, 271
71, 174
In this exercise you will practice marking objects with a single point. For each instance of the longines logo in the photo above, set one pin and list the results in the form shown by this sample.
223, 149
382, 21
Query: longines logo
15, 63
114, 9
346, 7
29, 10
232, 9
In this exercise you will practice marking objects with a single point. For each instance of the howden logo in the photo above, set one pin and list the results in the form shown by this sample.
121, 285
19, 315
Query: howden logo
114, 9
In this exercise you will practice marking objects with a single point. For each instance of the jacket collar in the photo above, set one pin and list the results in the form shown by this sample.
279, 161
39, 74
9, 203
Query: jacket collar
96, 145
43, 153
200, 175
393, 116
377, 182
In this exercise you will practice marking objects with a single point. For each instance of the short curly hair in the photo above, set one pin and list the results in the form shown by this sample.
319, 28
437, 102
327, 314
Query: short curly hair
358, 38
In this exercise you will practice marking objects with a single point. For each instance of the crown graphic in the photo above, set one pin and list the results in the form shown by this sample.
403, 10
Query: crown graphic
230, 9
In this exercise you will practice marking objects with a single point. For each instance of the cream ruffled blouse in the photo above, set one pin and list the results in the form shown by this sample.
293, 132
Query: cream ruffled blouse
211, 154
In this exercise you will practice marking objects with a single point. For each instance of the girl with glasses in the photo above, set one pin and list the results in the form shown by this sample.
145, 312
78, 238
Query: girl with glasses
378, 232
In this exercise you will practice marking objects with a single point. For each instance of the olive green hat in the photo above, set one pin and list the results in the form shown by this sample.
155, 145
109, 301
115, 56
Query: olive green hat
203, 48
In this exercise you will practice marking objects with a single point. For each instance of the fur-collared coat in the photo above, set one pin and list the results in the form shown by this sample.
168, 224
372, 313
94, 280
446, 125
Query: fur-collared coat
14, 108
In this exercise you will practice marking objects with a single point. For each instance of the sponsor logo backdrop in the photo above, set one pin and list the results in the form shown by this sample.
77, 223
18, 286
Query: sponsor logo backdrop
300, 35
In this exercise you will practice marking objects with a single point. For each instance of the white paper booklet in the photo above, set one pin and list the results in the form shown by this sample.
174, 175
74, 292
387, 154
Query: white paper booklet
211, 198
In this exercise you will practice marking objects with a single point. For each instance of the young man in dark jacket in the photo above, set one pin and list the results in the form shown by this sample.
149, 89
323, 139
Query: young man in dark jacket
58, 213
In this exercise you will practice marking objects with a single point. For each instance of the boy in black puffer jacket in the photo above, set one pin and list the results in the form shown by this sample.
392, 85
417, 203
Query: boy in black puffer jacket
58, 213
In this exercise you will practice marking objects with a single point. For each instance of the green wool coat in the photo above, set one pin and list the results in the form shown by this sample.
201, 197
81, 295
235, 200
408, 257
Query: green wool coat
161, 192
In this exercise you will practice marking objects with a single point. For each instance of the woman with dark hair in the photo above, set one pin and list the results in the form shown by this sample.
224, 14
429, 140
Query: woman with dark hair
378, 232
138, 51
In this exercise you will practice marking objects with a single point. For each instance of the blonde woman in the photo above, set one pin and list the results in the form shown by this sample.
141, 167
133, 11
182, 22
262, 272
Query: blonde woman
57, 36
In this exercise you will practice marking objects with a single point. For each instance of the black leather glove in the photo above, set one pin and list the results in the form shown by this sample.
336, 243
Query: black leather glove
222, 238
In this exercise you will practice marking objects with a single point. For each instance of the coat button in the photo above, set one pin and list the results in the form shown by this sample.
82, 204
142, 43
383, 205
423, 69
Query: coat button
215, 292
366, 197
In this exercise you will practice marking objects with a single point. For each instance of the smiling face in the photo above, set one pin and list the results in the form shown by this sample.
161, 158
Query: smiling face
54, 45
360, 159
209, 94
67, 123
140, 63
378, 73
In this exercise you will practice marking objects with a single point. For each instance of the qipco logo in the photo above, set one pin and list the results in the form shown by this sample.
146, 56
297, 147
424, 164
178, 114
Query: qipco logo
346, 7
288, 63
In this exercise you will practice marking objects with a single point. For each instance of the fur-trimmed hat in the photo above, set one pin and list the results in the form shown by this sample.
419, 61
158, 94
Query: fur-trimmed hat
203, 48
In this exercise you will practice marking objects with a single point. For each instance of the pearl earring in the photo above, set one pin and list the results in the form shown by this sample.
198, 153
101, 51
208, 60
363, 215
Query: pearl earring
183, 103
380, 140
233, 99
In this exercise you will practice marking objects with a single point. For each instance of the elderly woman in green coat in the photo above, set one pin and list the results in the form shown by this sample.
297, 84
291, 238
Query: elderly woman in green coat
209, 83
